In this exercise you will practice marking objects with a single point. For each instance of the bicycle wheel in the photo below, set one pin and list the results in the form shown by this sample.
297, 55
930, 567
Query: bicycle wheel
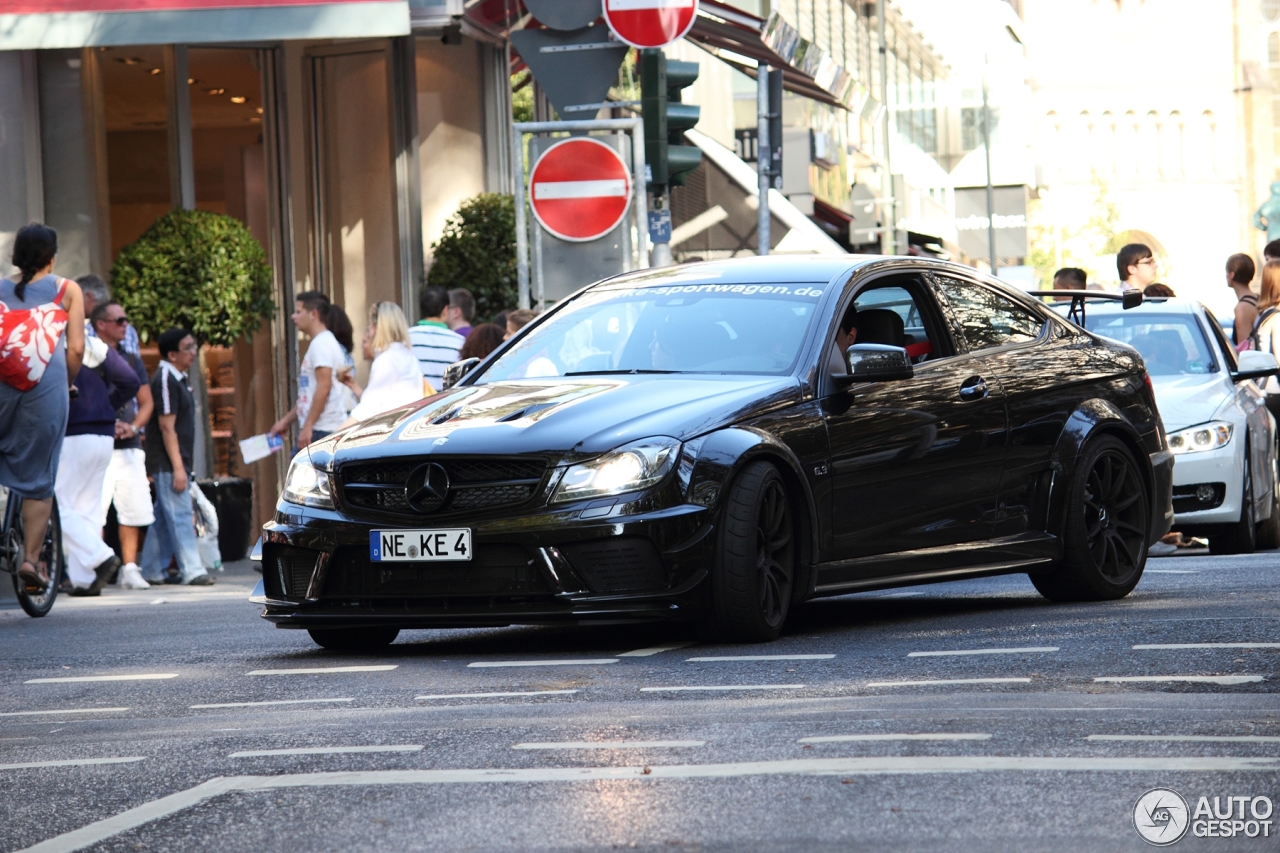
35, 603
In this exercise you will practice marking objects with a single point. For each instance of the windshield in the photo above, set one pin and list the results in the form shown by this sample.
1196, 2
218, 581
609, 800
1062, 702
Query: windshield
669, 329
1170, 344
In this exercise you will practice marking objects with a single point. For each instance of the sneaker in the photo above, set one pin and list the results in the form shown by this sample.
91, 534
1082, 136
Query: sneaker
131, 577
102, 573
84, 592
202, 579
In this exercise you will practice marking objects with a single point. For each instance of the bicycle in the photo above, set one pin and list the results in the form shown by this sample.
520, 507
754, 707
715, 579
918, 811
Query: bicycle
36, 602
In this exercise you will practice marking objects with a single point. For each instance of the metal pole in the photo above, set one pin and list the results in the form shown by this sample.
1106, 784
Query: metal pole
764, 158
888, 233
641, 201
522, 226
991, 193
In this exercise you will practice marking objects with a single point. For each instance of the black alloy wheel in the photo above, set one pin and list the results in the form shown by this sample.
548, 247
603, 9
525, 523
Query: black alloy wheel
1107, 528
753, 577
353, 639
1241, 537
36, 603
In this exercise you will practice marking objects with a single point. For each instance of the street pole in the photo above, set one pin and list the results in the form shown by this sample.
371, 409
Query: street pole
764, 158
889, 225
991, 192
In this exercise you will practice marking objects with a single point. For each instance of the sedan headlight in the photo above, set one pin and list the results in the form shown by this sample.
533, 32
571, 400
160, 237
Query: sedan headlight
1195, 439
633, 466
306, 484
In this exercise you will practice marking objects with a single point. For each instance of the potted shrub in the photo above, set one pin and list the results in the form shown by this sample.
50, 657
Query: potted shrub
478, 251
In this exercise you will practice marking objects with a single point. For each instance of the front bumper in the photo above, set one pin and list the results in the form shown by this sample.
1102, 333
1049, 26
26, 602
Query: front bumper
637, 562
1162, 469
1222, 465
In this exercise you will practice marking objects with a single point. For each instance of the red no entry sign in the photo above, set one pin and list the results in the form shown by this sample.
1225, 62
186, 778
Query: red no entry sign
650, 23
580, 189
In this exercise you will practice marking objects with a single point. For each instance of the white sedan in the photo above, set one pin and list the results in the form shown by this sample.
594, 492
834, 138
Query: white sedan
1223, 437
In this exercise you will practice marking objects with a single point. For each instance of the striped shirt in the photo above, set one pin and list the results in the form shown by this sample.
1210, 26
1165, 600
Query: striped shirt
436, 347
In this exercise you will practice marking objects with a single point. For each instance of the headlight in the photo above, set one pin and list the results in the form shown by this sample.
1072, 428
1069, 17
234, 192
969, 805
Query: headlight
1209, 436
306, 484
633, 466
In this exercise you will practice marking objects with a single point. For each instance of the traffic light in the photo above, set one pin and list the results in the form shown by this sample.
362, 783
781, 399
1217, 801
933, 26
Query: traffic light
666, 118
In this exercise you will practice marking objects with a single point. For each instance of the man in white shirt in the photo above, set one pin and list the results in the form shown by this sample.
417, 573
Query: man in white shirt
319, 410
434, 344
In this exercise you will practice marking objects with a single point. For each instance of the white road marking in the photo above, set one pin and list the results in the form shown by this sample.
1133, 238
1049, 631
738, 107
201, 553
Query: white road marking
325, 750
62, 711
653, 650
152, 676
934, 682
497, 695
1173, 571
497, 663
1197, 679
760, 657
722, 687
616, 744
924, 736
322, 670
1025, 650
273, 702
1191, 738
1208, 646
73, 762
103, 829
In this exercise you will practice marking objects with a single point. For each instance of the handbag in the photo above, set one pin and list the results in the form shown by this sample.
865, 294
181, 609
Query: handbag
28, 337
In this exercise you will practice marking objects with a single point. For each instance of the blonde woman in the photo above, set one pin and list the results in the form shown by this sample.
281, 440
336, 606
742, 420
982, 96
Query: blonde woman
394, 377
1267, 329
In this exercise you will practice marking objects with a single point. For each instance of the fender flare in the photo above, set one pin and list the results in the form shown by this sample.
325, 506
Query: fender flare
1093, 417
721, 455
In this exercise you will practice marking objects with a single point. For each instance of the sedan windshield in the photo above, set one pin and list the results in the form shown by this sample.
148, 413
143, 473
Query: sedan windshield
669, 329
1170, 344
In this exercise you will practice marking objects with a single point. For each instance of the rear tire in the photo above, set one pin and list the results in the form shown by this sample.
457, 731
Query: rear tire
1241, 537
1106, 530
35, 604
353, 639
752, 579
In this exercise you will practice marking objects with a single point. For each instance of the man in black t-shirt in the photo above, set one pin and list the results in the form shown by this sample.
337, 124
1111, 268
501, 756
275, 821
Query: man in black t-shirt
171, 437
126, 481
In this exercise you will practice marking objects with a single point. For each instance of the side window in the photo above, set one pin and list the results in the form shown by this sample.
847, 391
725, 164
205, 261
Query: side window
1220, 335
909, 331
986, 318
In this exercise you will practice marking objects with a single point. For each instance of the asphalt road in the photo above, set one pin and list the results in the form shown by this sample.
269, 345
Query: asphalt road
874, 724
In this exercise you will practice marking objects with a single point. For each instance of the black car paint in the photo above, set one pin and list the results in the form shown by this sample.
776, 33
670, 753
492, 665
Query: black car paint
983, 491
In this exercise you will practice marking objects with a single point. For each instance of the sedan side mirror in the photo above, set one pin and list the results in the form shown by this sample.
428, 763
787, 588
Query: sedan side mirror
876, 363
1253, 364
453, 373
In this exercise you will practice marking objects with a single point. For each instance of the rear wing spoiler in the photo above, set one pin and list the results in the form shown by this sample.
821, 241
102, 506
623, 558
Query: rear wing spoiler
1128, 299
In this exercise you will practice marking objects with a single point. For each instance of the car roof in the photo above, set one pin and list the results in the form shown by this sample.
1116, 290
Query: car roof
759, 270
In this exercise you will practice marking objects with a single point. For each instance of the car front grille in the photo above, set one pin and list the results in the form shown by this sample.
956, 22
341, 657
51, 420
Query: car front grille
496, 570
473, 484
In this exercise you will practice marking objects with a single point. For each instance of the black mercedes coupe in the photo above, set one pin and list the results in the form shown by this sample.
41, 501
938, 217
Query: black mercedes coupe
717, 442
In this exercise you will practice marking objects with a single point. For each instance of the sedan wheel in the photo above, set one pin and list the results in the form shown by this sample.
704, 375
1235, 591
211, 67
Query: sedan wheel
1105, 536
1241, 537
354, 639
752, 579
1269, 530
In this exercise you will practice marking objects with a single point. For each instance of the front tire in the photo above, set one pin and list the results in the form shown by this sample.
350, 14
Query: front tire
1241, 537
1107, 526
353, 639
1268, 535
753, 575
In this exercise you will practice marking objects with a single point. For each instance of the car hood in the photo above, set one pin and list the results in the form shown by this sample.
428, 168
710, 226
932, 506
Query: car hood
1186, 400
577, 416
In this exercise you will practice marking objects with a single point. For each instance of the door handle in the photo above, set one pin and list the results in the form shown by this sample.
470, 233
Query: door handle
973, 388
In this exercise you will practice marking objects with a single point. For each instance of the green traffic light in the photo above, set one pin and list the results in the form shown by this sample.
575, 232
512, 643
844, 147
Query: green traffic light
666, 118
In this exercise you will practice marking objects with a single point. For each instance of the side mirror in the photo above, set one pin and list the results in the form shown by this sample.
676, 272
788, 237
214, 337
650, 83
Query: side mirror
876, 363
1252, 364
453, 373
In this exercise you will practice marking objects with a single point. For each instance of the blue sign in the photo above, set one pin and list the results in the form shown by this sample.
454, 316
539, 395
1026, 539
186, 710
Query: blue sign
660, 226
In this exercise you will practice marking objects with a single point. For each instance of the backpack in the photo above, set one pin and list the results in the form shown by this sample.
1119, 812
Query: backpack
28, 337
1253, 342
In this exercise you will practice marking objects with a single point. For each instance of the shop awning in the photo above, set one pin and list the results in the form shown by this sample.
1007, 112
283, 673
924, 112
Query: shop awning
40, 24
